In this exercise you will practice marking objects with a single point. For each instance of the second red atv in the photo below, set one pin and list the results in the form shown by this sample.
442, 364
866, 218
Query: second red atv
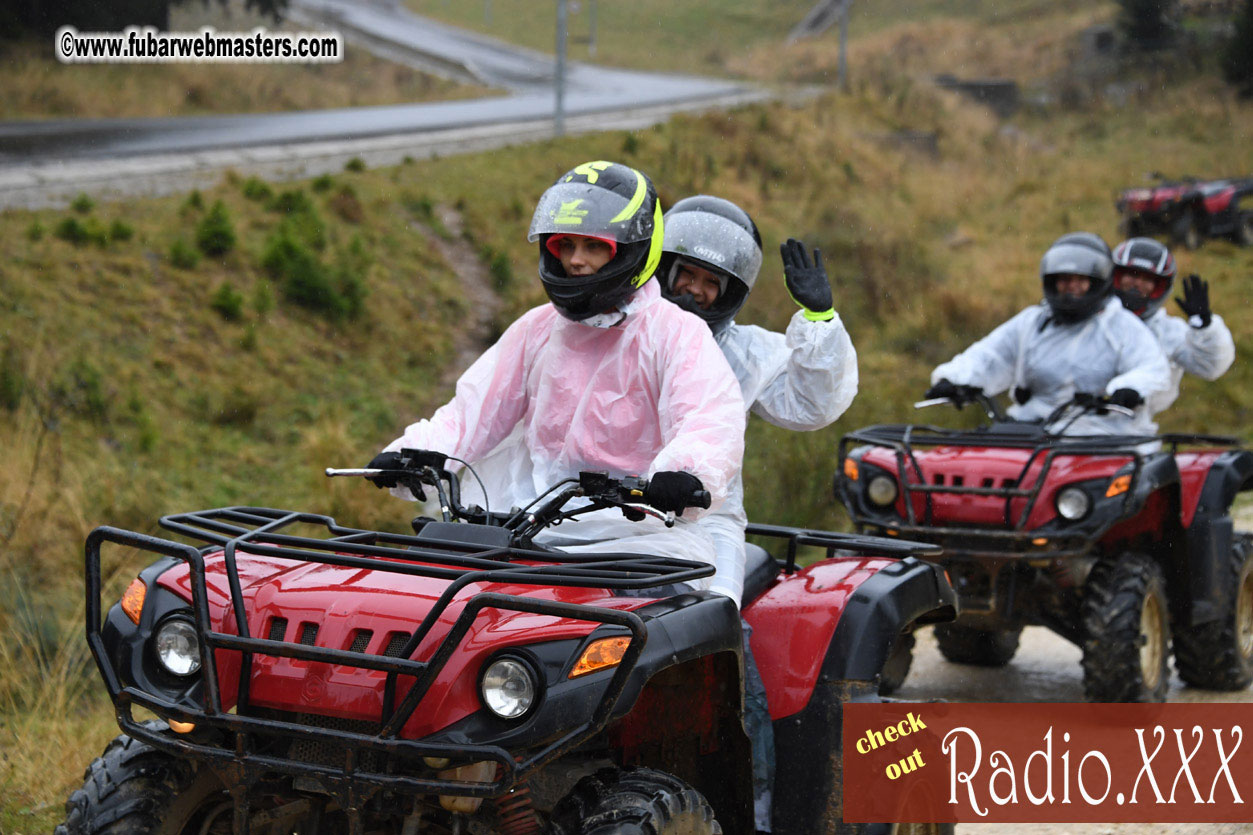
1122, 545
1190, 210
313, 678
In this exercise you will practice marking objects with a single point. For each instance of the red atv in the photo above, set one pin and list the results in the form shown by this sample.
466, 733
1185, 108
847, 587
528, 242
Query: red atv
313, 678
1189, 211
1121, 545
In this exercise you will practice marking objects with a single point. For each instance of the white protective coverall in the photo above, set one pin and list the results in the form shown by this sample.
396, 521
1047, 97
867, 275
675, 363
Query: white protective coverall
652, 393
1206, 352
1109, 350
802, 380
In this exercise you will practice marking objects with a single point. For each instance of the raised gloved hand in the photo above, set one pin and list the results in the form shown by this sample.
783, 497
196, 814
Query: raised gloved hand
1195, 301
960, 395
1127, 398
807, 281
672, 491
385, 461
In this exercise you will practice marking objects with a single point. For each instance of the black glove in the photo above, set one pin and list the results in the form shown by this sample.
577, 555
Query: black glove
960, 395
1127, 398
668, 490
807, 281
1087, 399
385, 461
1195, 301
944, 388
1021, 395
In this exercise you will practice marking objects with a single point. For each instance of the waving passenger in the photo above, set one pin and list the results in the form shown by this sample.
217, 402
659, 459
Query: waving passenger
1144, 273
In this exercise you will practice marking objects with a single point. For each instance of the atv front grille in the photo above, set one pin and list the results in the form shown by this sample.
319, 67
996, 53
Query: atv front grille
320, 751
396, 644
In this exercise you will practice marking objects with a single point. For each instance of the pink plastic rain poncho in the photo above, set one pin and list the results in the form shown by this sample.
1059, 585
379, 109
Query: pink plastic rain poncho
649, 394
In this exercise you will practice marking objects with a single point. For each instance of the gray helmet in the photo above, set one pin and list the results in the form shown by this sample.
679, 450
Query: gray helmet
719, 236
1077, 253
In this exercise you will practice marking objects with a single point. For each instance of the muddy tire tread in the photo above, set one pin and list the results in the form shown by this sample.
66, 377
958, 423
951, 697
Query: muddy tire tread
1207, 656
1112, 603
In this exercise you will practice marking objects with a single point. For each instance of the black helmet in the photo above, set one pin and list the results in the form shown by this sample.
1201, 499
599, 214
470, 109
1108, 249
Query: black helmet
1077, 253
603, 200
719, 236
1146, 257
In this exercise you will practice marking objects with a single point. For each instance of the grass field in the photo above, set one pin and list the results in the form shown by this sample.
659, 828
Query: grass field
131, 386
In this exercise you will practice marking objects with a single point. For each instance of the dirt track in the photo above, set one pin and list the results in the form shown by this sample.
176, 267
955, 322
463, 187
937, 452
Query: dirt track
1045, 669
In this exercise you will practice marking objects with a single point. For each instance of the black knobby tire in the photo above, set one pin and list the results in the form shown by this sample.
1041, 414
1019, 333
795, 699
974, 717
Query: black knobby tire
1126, 625
1219, 655
1187, 229
135, 789
634, 802
1244, 228
983, 647
896, 668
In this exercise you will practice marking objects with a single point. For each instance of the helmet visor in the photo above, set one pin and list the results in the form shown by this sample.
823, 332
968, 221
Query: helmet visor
714, 241
1076, 259
576, 208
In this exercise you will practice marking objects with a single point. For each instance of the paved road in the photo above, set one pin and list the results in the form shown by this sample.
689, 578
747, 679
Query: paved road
47, 162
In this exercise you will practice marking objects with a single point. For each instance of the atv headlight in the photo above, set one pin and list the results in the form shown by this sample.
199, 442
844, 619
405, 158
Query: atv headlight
177, 645
881, 490
1073, 503
508, 688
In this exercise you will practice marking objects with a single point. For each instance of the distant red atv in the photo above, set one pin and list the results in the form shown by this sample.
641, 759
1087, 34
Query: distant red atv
1190, 210
312, 678
1118, 544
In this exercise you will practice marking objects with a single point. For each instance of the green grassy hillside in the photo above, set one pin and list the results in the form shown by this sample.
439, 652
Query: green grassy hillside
131, 386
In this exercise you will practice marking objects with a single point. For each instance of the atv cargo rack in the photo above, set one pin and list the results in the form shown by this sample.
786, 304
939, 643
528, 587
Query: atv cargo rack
236, 531
1044, 448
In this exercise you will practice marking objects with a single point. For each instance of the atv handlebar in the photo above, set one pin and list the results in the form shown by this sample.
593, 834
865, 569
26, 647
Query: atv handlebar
426, 468
1084, 402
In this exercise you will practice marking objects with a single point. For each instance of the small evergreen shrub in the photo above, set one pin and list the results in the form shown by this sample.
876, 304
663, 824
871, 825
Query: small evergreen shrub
228, 302
323, 183
73, 230
183, 256
356, 165
120, 230
194, 202
215, 234
35, 232
83, 204
257, 190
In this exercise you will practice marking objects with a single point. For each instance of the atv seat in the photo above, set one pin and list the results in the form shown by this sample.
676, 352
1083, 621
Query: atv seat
760, 569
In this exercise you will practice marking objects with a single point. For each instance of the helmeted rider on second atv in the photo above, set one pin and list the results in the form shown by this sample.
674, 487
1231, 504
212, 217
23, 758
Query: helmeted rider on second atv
802, 380
1144, 273
1079, 341
607, 377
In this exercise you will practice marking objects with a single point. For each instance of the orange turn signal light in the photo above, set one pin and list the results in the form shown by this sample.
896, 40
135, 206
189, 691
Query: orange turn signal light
133, 599
600, 655
181, 727
1040, 540
1118, 486
850, 469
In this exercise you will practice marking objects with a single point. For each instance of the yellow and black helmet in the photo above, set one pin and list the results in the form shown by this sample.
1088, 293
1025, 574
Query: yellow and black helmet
609, 201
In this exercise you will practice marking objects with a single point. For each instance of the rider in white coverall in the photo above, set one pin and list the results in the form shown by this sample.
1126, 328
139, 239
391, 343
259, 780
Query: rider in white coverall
802, 380
1144, 273
608, 376
1080, 340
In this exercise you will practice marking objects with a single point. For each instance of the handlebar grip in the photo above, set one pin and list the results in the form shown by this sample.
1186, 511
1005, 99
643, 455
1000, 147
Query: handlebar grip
700, 498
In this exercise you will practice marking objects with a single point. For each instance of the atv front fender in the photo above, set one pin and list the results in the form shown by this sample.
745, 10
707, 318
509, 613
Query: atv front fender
837, 620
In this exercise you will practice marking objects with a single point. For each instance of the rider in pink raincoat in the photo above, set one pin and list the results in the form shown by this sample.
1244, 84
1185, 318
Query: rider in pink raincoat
609, 376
